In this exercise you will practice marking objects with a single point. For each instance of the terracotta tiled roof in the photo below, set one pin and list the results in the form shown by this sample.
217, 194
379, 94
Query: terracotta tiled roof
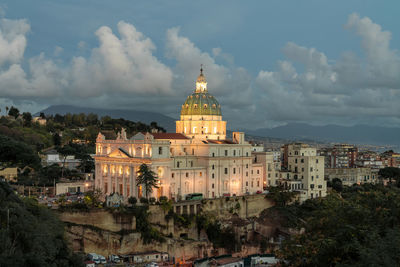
169, 136
220, 142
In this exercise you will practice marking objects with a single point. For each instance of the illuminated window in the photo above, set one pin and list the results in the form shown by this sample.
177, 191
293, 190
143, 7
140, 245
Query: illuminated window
205, 105
195, 105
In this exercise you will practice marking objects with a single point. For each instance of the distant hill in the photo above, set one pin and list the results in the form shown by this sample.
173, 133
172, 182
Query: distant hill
358, 134
133, 115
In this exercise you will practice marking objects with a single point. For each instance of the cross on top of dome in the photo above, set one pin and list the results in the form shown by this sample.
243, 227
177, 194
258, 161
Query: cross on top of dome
201, 82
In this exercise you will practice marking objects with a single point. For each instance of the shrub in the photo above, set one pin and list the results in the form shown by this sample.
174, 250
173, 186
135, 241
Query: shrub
163, 199
152, 200
144, 200
132, 200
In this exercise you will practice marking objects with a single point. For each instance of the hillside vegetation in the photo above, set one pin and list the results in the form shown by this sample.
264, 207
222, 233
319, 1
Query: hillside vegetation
31, 235
358, 227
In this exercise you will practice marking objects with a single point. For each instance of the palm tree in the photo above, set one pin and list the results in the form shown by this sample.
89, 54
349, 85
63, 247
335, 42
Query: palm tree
147, 178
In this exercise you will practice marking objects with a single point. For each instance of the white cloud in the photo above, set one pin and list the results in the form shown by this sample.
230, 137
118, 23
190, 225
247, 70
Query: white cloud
12, 40
346, 91
122, 71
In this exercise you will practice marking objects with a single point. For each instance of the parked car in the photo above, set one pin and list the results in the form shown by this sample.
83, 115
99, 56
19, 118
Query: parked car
151, 264
114, 258
94, 257
102, 259
258, 192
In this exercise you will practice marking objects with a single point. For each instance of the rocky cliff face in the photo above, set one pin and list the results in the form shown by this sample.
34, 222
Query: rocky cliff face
115, 232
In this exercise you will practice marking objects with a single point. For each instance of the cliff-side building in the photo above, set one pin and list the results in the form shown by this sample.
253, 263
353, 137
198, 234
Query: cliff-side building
196, 159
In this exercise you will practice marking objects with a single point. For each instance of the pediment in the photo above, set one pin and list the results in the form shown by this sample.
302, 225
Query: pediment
119, 153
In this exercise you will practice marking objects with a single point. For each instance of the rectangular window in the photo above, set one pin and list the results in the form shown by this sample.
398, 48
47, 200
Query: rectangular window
226, 171
234, 170
187, 174
258, 171
247, 166
212, 175
173, 175
258, 183
234, 152
302, 160
316, 160
212, 166
213, 154
311, 169
201, 174
160, 150
212, 186
192, 151
247, 173
226, 152
177, 164
247, 183
105, 188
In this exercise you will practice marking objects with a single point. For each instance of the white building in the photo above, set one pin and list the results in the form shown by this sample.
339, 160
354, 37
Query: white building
303, 170
196, 159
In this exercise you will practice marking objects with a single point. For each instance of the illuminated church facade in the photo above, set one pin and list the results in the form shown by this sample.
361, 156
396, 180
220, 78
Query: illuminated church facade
198, 158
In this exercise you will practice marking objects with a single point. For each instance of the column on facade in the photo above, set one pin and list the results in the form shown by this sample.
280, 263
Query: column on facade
109, 174
124, 192
131, 181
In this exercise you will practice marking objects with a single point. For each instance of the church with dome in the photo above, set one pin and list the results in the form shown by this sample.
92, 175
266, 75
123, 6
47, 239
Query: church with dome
197, 159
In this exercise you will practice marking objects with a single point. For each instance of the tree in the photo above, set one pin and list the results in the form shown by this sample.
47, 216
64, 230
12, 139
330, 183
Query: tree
56, 139
390, 173
65, 151
147, 178
27, 116
13, 112
30, 234
337, 184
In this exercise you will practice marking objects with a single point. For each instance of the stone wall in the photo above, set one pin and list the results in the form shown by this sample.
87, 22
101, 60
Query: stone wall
101, 219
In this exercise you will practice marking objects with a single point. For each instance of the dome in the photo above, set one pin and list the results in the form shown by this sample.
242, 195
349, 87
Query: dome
201, 104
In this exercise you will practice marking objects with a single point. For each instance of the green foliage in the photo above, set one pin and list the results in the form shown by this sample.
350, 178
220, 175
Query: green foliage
14, 153
27, 117
356, 228
144, 200
391, 173
14, 112
166, 204
280, 196
34, 236
92, 198
148, 233
132, 200
147, 178
336, 184
221, 237
152, 200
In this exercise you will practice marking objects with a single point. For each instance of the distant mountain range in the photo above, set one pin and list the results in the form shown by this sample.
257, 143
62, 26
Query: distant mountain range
357, 134
133, 115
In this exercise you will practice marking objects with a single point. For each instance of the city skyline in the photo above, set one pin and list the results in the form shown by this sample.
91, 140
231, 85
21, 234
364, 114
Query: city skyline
337, 65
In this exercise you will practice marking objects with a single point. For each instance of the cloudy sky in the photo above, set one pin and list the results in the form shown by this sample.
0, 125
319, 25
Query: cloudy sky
267, 62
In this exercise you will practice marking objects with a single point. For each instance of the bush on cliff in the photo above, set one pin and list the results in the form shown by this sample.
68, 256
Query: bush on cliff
30, 234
